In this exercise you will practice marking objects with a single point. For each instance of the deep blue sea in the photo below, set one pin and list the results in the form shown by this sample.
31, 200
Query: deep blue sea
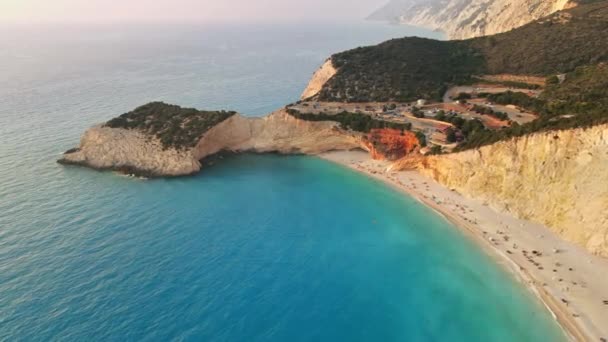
255, 248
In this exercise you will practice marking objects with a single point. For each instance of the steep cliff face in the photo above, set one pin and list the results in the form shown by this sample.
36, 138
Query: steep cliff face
135, 152
277, 132
319, 78
559, 179
462, 19
130, 151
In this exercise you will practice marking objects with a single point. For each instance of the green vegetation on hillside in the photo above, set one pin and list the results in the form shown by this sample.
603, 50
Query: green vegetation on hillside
510, 84
572, 42
580, 101
556, 44
462, 97
518, 99
584, 93
173, 125
350, 121
468, 128
479, 109
411, 68
400, 70
421, 139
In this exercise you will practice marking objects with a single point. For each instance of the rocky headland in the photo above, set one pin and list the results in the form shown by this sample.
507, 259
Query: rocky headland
137, 152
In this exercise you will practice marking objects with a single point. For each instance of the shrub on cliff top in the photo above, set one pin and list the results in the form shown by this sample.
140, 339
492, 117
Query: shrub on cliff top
174, 126
351, 121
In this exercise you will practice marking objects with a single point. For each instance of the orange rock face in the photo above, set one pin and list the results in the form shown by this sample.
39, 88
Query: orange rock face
391, 144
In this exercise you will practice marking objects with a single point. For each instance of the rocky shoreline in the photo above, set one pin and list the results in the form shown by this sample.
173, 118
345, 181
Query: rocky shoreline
124, 170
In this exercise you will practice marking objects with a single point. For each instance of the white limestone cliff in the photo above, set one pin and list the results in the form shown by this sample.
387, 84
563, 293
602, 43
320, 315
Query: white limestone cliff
559, 179
319, 78
277, 132
129, 151
462, 19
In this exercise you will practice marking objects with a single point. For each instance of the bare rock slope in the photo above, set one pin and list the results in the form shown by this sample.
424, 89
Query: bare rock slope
559, 179
277, 132
462, 19
319, 78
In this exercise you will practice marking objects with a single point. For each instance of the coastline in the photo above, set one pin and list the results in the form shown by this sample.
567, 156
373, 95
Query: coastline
570, 282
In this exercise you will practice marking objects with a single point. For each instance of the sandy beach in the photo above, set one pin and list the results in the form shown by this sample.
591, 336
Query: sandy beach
572, 283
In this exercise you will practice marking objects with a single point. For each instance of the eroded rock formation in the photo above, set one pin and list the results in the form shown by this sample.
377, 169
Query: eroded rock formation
391, 144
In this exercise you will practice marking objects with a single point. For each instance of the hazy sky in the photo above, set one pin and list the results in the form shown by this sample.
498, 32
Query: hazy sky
190, 10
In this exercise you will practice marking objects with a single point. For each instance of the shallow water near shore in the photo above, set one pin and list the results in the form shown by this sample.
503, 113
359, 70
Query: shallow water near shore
255, 248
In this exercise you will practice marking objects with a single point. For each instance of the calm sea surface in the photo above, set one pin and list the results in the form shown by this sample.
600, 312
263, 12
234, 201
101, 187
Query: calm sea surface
255, 248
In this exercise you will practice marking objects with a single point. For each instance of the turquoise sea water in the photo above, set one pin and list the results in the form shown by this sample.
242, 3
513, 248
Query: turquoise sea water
255, 248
